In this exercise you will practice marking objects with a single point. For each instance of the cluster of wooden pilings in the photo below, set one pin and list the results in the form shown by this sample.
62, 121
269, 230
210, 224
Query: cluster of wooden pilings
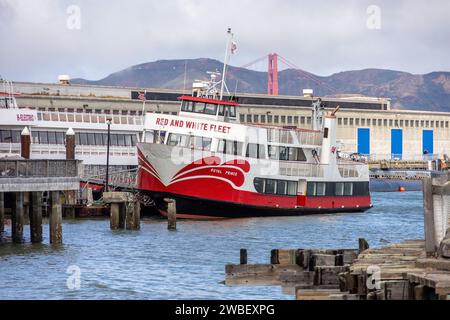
25, 181
29, 205
125, 211
396, 272
409, 270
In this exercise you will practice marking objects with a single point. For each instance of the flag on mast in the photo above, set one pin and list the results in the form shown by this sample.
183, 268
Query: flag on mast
233, 47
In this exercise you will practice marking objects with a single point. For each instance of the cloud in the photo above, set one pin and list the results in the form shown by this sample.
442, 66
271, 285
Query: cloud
321, 36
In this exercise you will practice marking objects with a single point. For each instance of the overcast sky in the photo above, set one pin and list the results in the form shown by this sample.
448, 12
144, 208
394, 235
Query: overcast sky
322, 37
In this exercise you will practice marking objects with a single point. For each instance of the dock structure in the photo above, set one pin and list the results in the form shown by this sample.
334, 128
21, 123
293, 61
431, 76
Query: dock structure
125, 211
409, 270
34, 177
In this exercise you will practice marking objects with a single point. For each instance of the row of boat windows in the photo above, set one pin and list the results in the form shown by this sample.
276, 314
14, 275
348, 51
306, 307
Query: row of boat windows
273, 186
277, 119
320, 189
253, 150
393, 123
262, 118
209, 108
82, 138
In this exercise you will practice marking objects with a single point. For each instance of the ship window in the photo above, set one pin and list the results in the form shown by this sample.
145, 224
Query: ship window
221, 110
128, 140
230, 112
179, 140
274, 152
43, 137
348, 189
311, 189
230, 147
339, 190
6, 136
325, 133
210, 109
91, 139
297, 154
199, 107
270, 186
187, 106
255, 151
99, 139
121, 139
281, 187
320, 189
113, 141
15, 136
284, 153
60, 137
292, 188
133, 139
201, 143
259, 184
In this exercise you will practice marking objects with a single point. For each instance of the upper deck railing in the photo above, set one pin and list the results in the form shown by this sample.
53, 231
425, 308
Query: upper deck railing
40, 168
289, 136
89, 117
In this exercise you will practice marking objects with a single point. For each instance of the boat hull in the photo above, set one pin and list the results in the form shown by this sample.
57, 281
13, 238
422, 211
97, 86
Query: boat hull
196, 208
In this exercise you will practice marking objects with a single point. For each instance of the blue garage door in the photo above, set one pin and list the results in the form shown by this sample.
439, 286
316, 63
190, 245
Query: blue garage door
364, 141
427, 144
396, 143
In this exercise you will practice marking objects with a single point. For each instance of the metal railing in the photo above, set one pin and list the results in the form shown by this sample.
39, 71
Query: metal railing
88, 117
296, 169
304, 137
39, 168
349, 170
117, 179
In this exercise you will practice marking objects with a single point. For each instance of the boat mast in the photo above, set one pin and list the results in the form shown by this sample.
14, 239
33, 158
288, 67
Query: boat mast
227, 57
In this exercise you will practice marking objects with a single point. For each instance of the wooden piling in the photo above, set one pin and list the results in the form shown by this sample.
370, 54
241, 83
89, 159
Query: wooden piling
114, 216
56, 218
17, 218
363, 245
243, 256
133, 215
429, 224
70, 144
36, 217
25, 143
2, 212
171, 214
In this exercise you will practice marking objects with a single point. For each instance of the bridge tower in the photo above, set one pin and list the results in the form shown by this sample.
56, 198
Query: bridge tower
272, 83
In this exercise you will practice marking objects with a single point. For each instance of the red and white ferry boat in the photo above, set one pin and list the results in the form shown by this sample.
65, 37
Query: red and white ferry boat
215, 167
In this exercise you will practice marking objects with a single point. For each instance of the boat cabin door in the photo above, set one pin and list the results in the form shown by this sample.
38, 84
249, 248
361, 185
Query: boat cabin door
301, 192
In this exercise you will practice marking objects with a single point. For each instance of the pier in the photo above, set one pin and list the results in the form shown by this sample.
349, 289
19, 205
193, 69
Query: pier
409, 270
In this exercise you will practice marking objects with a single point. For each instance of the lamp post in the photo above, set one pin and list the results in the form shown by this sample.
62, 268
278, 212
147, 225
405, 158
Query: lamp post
108, 122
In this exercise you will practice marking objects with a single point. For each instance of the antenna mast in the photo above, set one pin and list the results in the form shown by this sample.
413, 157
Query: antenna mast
227, 57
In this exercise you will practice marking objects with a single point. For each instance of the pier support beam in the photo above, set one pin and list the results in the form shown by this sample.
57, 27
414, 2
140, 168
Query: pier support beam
117, 216
428, 210
171, 214
133, 215
2, 212
56, 218
17, 218
36, 217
